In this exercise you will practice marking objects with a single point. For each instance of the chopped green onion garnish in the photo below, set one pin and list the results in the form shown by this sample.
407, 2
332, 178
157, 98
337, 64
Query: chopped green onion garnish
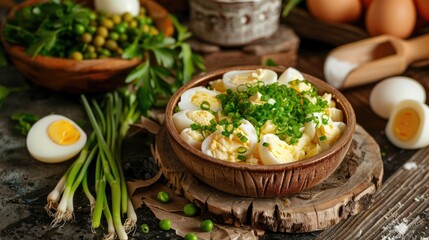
241, 157
265, 144
242, 150
205, 105
322, 138
243, 139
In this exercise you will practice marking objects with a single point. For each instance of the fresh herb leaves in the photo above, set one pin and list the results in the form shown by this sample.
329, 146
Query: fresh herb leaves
169, 63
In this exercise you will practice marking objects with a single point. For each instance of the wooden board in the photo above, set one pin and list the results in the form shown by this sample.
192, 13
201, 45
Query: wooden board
401, 208
347, 192
306, 26
282, 48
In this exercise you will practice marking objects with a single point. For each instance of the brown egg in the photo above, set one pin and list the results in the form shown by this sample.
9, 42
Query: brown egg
393, 17
340, 11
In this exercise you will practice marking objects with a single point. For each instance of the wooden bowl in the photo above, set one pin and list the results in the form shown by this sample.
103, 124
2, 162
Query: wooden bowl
261, 180
68, 75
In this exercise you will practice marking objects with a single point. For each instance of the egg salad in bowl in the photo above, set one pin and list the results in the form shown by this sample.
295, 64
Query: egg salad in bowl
260, 131
254, 117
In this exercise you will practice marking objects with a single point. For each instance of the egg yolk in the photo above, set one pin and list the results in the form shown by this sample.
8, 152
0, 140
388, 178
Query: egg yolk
63, 132
281, 150
201, 116
406, 124
249, 77
199, 97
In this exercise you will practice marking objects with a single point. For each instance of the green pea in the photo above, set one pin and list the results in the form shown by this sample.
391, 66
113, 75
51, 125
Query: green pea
92, 29
121, 28
190, 210
116, 19
165, 224
92, 16
133, 24
206, 225
102, 31
123, 37
114, 36
111, 45
191, 236
78, 56
145, 228
79, 29
127, 17
90, 49
163, 197
106, 52
99, 41
107, 23
86, 38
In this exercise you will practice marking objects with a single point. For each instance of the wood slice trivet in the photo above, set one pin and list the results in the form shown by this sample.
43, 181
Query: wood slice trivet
347, 192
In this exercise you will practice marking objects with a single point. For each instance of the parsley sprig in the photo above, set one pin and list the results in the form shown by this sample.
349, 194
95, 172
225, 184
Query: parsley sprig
169, 63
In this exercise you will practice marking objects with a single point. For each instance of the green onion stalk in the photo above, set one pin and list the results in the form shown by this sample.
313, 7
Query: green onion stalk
149, 85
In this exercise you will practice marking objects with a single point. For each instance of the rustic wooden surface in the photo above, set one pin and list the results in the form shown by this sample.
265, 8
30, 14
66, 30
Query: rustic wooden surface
401, 208
281, 48
347, 192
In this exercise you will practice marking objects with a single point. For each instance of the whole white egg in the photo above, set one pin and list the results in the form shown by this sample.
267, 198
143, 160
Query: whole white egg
118, 7
55, 138
233, 79
408, 126
387, 93
199, 98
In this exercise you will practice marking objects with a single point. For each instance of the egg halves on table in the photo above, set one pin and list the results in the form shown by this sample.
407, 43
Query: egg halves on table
408, 125
55, 138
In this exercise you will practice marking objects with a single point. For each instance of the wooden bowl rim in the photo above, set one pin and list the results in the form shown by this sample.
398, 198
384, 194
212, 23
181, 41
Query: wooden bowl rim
90, 65
345, 138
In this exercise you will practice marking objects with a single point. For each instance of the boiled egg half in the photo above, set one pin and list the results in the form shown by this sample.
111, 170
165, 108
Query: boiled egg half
408, 125
233, 79
241, 142
55, 138
200, 98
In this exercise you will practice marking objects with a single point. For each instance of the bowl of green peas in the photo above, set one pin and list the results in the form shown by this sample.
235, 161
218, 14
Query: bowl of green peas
70, 47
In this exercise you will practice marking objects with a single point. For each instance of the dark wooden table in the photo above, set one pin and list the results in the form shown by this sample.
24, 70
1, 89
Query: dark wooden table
24, 182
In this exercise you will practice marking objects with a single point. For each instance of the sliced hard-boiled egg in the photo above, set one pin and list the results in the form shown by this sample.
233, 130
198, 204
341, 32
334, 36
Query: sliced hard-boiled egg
200, 98
328, 134
256, 99
192, 137
387, 93
234, 79
408, 125
217, 85
234, 147
184, 119
118, 7
273, 150
291, 74
55, 138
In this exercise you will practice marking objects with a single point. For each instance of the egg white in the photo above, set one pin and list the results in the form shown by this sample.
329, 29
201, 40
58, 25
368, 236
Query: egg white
192, 137
233, 79
118, 7
184, 119
421, 138
42, 148
276, 152
192, 98
226, 148
290, 74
